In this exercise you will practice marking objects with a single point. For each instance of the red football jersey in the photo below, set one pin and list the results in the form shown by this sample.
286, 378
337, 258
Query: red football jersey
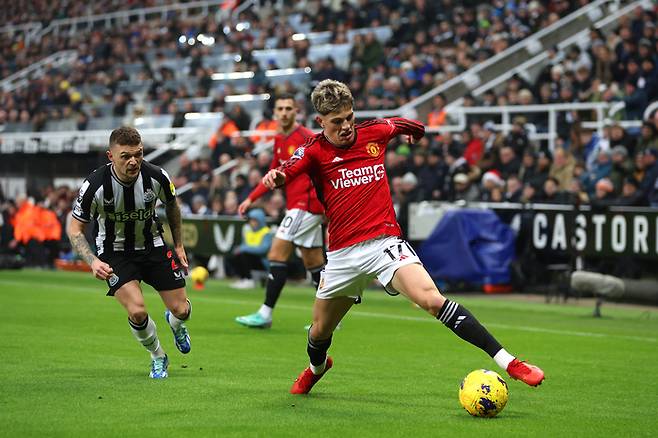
351, 182
300, 193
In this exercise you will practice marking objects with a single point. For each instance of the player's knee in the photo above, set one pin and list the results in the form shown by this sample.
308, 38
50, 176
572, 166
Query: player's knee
431, 301
137, 314
179, 308
320, 330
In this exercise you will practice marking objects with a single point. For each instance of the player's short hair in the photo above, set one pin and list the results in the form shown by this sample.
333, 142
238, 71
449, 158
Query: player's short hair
285, 96
330, 96
126, 136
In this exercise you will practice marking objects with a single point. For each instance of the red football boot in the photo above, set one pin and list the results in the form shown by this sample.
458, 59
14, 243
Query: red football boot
307, 379
525, 372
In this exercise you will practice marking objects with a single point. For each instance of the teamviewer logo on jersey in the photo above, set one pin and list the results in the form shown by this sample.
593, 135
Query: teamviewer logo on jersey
359, 176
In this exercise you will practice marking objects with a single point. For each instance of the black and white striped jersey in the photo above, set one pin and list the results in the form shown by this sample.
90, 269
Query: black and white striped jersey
124, 213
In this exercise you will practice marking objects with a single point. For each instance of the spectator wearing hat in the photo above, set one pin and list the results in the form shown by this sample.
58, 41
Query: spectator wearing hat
464, 189
621, 165
199, 205
490, 138
491, 181
562, 168
604, 194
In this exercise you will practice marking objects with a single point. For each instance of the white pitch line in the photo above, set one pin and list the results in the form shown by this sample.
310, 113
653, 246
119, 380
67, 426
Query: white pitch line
360, 313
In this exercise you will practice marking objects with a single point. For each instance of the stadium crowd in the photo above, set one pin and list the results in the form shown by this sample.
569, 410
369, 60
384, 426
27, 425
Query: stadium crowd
615, 167
431, 42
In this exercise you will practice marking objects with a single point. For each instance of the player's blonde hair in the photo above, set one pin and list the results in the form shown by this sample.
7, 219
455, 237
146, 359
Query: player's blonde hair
330, 96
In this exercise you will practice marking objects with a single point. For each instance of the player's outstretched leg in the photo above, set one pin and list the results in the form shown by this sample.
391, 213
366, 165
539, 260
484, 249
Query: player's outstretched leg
276, 279
414, 281
178, 328
146, 333
462, 322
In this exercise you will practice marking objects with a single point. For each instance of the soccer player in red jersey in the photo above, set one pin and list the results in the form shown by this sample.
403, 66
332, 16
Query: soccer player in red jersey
302, 224
346, 164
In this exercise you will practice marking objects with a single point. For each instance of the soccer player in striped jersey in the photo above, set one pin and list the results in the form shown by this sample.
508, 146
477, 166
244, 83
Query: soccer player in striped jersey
120, 199
302, 224
346, 164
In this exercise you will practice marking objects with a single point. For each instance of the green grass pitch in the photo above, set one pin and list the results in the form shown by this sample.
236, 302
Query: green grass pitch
70, 367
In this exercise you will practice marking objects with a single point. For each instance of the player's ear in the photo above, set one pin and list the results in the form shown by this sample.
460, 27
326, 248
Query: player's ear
109, 154
318, 119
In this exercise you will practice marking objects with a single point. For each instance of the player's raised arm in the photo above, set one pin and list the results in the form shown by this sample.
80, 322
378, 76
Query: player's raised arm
401, 126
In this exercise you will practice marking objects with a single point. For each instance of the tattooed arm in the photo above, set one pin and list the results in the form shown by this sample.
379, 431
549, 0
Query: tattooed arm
76, 233
175, 225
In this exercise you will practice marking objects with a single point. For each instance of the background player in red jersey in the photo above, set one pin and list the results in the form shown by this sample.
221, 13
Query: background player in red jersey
346, 164
302, 224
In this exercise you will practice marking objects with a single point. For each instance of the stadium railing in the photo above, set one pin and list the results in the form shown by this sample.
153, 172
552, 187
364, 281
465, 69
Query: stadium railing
537, 62
603, 112
109, 20
506, 60
200, 125
22, 77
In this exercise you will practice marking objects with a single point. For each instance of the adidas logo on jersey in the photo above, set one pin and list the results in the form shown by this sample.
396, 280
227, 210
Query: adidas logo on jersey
336, 160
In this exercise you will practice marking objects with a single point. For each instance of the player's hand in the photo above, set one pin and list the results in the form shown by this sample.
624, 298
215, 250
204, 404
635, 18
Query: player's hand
411, 139
101, 270
274, 178
242, 208
182, 257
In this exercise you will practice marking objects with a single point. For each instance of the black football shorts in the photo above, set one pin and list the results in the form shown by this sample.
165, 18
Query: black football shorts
158, 267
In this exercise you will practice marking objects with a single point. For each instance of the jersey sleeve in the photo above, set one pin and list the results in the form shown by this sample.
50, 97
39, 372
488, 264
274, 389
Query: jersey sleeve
301, 161
402, 126
84, 206
167, 191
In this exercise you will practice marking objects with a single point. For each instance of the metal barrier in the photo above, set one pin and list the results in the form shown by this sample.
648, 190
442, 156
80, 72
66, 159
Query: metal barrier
22, 78
72, 24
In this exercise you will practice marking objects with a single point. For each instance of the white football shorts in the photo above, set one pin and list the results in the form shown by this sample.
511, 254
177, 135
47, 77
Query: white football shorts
301, 228
350, 270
